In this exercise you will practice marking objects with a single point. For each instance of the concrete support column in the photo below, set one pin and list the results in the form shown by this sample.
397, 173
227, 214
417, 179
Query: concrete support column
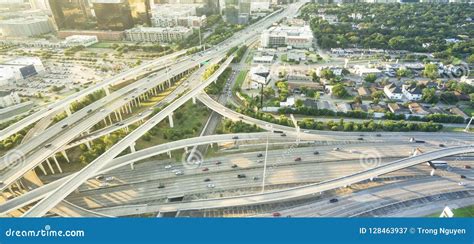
49, 165
194, 100
110, 119
169, 153
116, 116
88, 144
68, 111
170, 118
129, 107
132, 147
43, 169
186, 149
107, 91
120, 115
57, 163
65, 156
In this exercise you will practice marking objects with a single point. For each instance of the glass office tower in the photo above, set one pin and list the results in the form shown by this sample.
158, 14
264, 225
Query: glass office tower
72, 14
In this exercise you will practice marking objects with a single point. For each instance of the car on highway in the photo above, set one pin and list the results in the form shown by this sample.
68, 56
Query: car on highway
102, 110
161, 185
211, 185
179, 173
235, 138
297, 159
463, 176
90, 110
205, 169
255, 178
207, 180
467, 166
260, 161
461, 183
378, 135
260, 155
234, 166
315, 152
442, 145
283, 134
47, 145
333, 200
276, 214
168, 166
241, 176
64, 126
360, 139
336, 149
109, 178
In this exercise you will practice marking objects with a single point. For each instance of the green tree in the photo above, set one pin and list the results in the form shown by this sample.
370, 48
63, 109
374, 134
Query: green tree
431, 71
371, 78
339, 90
429, 95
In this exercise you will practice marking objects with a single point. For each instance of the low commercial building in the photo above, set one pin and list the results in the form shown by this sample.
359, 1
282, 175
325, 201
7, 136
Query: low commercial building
266, 59
101, 35
259, 75
9, 99
362, 70
398, 109
19, 68
292, 36
158, 34
26, 27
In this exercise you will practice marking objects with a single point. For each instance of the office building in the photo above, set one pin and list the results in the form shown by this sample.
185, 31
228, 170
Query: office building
72, 14
26, 27
292, 36
113, 15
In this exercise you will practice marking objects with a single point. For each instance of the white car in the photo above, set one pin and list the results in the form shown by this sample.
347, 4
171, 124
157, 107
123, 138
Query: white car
179, 173
211, 185
461, 183
109, 178
168, 166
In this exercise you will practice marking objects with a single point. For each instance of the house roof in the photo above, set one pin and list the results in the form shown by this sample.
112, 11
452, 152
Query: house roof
393, 88
413, 89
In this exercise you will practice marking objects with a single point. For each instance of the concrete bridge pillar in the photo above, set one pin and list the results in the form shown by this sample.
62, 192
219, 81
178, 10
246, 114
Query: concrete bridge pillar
132, 147
49, 165
169, 153
194, 100
107, 91
43, 169
65, 156
68, 111
57, 163
170, 118
88, 144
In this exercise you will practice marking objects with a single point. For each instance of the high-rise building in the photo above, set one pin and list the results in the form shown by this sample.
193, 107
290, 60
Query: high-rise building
72, 14
141, 12
113, 14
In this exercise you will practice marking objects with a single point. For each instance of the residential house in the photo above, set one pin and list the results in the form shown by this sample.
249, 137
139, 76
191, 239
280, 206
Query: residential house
393, 92
363, 92
398, 109
412, 92
418, 110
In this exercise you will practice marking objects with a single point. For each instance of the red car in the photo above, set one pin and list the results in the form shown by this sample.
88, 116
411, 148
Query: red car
276, 214
205, 169
297, 159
